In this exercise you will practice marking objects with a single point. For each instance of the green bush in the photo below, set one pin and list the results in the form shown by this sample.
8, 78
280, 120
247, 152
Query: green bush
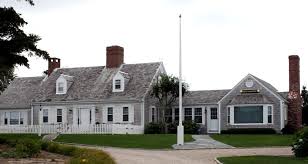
28, 148
53, 147
154, 128
249, 131
191, 127
300, 146
90, 156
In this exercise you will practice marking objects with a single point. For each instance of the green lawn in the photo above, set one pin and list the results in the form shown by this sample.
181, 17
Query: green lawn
20, 136
263, 160
146, 141
254, 140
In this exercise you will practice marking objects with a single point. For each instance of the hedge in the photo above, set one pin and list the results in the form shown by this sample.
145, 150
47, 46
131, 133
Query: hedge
249, 131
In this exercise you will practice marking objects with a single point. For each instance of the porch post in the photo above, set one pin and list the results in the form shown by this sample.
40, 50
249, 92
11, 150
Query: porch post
75, 115
32, 115
92, 115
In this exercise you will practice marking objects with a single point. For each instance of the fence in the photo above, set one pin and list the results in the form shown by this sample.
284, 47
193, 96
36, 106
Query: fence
74, 129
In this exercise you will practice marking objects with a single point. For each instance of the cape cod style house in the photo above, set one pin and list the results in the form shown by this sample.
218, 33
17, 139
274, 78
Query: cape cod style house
116, 99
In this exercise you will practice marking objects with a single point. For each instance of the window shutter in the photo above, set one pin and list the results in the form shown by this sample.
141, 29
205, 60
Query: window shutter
131, 114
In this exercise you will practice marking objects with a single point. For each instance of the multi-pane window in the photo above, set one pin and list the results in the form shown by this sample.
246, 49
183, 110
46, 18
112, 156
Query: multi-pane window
45, 115
59, 115
14, 118
214, 113
6, 118
176, 114
60, 87
228, 115
153, 114
125, 113
198, 115
269, 114
110, 114
117, 84
168, 115
188, 114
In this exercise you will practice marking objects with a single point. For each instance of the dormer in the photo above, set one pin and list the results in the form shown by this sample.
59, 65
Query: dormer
119, 81
63, 83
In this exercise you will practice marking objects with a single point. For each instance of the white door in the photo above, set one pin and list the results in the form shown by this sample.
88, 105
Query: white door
213, 123
84, 117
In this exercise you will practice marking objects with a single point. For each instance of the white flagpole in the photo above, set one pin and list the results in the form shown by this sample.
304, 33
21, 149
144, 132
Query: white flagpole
180, 129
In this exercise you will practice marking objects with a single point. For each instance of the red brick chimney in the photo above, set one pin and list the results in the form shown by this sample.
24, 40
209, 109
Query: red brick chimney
53, 63
114, 56
294, 97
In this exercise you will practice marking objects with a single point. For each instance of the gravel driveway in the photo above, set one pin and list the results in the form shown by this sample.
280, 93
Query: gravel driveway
202, 156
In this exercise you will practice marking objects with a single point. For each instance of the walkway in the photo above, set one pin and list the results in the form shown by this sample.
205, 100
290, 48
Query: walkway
202, 142
201, 156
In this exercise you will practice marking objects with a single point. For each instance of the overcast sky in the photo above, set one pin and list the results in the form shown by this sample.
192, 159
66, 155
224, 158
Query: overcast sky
223, 40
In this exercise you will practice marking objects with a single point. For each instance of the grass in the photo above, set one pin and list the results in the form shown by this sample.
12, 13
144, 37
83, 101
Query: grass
254, 140
20, 136
145, 141
263, 160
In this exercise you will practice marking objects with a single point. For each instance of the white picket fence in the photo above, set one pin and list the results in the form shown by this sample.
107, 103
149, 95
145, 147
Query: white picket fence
74, 129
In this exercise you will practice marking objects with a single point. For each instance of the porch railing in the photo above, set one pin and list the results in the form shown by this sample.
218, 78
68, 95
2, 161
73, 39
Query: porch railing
74, 129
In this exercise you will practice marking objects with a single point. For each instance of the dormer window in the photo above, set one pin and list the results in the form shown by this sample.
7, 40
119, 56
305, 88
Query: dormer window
117, 84
60, 87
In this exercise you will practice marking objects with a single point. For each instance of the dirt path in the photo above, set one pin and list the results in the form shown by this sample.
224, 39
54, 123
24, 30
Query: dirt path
203, 156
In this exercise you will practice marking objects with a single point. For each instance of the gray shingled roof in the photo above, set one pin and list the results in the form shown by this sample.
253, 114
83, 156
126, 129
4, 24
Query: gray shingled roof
95, 83
20, 92
250, 99
203, 97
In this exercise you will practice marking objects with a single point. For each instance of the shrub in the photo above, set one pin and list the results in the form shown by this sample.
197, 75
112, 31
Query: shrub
191, 127
288, 130
67, 150
44, 145
154, 128
173, 127
300, 146
91, 156
53, 147
28, 148
249, 131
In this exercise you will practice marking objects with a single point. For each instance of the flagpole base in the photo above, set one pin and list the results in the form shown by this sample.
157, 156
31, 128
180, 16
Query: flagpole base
180, 135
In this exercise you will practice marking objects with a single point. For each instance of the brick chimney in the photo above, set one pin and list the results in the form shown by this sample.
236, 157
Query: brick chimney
114, 56
294, 97
53, 63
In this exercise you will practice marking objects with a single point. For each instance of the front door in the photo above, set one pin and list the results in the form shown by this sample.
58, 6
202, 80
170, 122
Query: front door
84, 117
213, 122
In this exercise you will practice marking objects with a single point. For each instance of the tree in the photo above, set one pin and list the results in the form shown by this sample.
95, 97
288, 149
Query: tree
15, 44
166, 91
304, 95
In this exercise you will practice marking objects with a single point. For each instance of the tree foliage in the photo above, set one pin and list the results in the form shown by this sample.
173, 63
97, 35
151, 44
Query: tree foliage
166, 91
304, 95
15, 44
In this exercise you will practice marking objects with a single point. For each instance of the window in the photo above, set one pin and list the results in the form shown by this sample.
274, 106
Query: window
21, 118
176, 114
110, 114
248, 114
45, 115
6, 118
168, 115
153, 114
60, 87
117, 84
59, 115
188, 114
214, 113
125, 113
269, 114
14, 118
228, 115
198, 115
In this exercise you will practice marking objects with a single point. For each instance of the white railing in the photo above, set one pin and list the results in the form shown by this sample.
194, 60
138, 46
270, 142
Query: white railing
74, 129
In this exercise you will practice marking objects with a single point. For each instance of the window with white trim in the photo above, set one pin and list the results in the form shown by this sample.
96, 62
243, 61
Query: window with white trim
198, 115
117, 84
228, 114
45, 115
248, 114
214, 113
110, 114
188, 114
153, 114
21, 118
168, 115
6, 118
59, 115
176, 114
125, 114
60, 88
269, 114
